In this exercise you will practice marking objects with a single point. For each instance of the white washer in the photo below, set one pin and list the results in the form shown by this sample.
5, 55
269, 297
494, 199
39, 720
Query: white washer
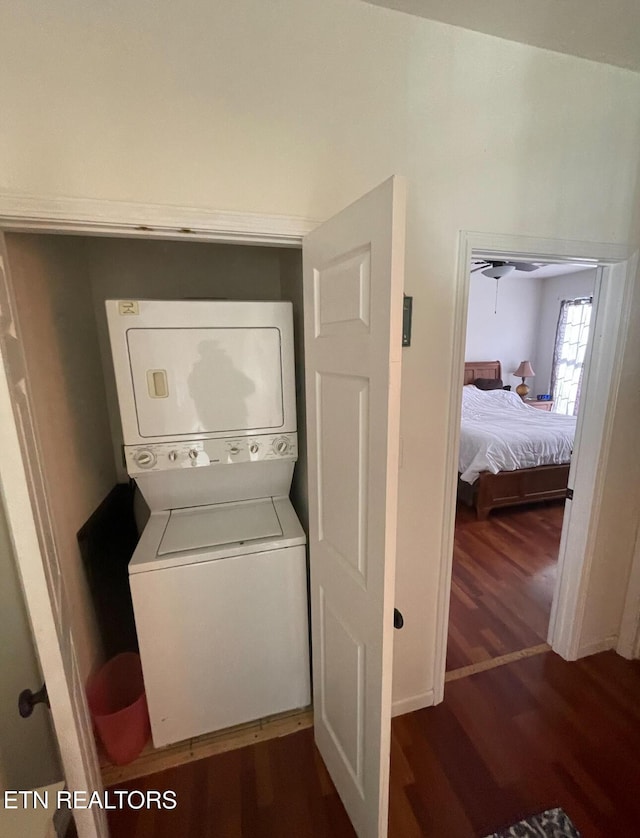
218, 579
219, 595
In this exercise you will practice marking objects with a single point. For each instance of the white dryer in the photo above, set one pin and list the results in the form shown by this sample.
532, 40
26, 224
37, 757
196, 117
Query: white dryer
218, 580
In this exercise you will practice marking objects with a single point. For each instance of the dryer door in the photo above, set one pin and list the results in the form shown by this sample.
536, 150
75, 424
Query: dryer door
206, 380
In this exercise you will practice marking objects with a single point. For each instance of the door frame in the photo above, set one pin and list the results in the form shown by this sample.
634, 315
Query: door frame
27, 530
594, 429
89, 217
629, 639
30, 529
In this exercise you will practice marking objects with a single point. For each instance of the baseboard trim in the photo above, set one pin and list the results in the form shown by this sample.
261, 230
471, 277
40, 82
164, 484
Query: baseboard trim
414, 702
629, 648
598, 646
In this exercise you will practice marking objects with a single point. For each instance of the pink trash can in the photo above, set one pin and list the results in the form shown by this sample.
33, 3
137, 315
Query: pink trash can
118, 706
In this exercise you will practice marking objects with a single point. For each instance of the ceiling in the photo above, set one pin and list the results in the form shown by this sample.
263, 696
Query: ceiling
607, 31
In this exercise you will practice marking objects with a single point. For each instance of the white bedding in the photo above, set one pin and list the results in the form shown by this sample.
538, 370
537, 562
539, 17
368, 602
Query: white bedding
499, 432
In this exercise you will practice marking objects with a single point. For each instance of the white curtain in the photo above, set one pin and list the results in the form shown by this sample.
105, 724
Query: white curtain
572, 335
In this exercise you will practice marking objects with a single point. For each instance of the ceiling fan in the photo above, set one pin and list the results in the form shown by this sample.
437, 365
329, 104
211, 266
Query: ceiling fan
497, 269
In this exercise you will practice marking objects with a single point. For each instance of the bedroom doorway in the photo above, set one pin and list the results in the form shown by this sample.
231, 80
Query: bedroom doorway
548, 544
518, 421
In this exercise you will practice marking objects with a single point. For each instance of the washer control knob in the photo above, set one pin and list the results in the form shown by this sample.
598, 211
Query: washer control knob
193, 454
145, 458
234, 449
254, 448
173, 456
281, 446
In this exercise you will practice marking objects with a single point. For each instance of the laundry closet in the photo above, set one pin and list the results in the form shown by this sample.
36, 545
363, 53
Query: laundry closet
60, 284
68, 497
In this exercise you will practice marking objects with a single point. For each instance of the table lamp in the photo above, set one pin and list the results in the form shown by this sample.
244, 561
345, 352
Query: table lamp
525, 370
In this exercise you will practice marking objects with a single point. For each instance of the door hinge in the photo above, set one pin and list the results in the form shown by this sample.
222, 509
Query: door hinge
569, 494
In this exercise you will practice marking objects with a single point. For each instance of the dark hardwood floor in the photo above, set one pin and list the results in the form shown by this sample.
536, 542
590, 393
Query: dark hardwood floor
505, 743
524, 737
504, 573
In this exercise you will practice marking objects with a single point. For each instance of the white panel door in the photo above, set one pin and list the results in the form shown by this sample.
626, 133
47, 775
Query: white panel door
353, 282
25, 499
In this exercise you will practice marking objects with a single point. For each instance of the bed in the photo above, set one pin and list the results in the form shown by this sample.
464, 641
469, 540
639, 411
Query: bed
510, 453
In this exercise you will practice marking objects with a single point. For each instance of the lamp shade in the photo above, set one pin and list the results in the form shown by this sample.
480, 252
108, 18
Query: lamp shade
525, 370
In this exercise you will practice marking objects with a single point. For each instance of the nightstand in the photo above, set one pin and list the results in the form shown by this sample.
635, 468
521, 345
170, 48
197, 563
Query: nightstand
543, 404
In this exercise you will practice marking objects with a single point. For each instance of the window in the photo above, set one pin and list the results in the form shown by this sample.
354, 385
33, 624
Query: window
568, 358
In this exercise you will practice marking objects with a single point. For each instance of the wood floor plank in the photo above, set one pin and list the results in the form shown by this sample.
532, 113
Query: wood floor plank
503, 581
507, 742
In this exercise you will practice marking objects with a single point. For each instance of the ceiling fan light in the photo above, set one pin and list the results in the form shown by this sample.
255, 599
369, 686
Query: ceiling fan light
525, 266
498, 271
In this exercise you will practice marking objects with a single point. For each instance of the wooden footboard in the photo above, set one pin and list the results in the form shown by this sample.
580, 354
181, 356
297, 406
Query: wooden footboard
512, 488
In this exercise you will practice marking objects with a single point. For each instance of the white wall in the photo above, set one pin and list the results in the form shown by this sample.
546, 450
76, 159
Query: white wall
554, 290
298, 107
524, 326
509, 333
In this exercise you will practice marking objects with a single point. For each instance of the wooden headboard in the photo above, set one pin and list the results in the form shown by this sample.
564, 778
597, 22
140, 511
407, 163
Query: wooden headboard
481, 369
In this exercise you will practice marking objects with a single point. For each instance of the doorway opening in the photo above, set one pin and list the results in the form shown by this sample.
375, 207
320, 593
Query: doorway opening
570, 632
517, 431
59, 284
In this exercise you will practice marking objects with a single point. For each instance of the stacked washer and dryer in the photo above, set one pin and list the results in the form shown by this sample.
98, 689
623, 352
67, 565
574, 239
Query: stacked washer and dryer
206, 391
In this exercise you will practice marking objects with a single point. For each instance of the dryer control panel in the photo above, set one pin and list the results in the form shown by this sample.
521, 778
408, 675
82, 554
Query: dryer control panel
165, 456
